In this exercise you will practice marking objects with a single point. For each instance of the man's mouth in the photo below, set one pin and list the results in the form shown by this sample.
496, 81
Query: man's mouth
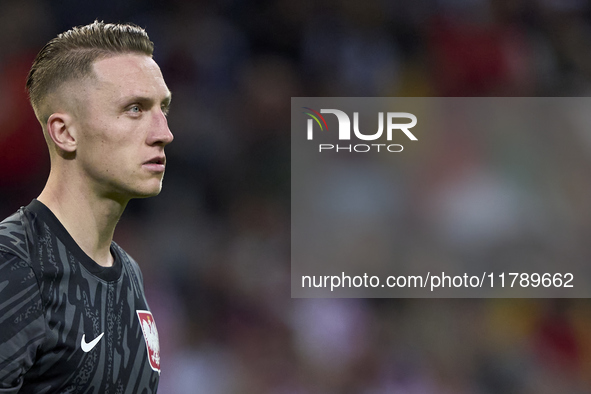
156, 164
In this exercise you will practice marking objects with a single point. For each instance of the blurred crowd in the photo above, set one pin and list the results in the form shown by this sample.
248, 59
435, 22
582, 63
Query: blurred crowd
214, 247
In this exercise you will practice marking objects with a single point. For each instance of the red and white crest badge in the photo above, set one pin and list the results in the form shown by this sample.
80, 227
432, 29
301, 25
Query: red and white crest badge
151, 336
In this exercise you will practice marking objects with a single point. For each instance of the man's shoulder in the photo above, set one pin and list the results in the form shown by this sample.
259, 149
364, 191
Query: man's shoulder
13, 235
129, 262
125, 257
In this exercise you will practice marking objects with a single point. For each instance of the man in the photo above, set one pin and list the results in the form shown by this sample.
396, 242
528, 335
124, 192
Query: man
73, 316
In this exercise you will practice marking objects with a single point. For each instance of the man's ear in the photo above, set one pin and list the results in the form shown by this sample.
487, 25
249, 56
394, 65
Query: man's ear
61, 130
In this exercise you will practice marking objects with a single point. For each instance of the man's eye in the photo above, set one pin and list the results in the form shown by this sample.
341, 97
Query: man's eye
135, 108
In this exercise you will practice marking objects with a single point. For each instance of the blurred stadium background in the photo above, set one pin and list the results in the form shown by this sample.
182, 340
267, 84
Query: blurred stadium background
214, 246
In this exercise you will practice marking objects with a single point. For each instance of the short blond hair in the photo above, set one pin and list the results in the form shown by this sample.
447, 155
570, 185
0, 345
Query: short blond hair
71, 54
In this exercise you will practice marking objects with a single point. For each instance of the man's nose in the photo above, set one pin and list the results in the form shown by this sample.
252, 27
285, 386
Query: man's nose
160, 134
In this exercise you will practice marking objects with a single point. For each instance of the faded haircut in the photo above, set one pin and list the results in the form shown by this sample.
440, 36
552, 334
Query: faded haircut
71, 54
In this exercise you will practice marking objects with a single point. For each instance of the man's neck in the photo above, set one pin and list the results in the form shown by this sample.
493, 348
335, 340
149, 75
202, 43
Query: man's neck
88, 218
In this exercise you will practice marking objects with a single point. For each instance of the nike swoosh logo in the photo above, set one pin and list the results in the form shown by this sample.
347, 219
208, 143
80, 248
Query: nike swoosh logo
87, 346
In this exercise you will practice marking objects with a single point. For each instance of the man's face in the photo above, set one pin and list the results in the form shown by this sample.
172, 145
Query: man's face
122, 127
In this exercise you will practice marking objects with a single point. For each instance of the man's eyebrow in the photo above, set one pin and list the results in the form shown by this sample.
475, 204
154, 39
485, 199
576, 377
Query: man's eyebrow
167, 99
146, 100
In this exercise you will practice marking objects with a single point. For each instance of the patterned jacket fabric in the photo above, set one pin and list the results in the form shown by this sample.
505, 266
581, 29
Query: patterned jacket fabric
67, 324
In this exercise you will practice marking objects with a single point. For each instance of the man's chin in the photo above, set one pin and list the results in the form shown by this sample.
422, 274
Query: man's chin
129, 192
150, 193
145, 192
